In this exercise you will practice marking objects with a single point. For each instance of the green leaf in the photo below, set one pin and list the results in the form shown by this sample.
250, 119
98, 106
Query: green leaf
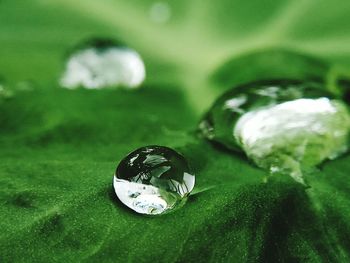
270, 64
59, 148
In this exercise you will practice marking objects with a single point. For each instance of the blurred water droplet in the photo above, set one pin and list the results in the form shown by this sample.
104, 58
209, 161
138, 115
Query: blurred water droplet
153, 180
283, 126
25, 85
102, 63
5, 91
160, 12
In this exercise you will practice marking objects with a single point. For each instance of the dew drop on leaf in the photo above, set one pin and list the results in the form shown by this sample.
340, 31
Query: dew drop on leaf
160, 12
25, 85
283, 126
5, 91
153, 180
102, 63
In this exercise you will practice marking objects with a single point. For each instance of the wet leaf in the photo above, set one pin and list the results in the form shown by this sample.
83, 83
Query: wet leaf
59, 148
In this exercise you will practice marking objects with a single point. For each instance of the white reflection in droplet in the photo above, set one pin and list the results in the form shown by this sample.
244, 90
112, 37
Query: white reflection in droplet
93, 68
160, 12
287, 135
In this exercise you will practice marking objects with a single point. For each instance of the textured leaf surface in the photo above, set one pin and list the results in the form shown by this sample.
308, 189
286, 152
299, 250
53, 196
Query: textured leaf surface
59, 148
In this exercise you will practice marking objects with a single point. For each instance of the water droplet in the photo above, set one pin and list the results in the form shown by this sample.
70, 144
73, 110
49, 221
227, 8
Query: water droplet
284, 126
102, 63
160, 12
5, 91
153, 180
25, 85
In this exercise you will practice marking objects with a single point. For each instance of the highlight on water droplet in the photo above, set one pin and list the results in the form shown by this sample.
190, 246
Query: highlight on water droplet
284, 126
101, 63
160, 12
153, 180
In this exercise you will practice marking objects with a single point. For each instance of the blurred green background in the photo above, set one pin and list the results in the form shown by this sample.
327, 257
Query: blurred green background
196, 39
59, 148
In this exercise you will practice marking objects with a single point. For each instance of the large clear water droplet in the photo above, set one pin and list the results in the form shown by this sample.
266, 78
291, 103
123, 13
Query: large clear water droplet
103, 63
153, 180
282, 125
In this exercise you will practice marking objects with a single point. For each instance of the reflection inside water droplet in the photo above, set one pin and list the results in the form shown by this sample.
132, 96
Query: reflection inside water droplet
101, 63
153, 180
283, 126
